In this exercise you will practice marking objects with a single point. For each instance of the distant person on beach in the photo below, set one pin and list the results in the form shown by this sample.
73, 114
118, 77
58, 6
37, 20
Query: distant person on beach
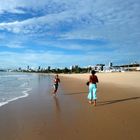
92, 83
56, 83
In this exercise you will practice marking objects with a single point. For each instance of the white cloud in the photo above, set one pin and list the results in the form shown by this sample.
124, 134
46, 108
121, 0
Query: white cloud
15, 45
53, 59
89, 19
12, 6
35, 59
18, 6
115, 21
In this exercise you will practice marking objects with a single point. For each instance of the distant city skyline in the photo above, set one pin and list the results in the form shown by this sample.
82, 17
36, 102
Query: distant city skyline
68, 32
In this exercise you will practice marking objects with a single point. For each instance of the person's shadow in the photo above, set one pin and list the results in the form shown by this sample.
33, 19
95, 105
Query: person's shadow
57, 104
75, 93
101, 103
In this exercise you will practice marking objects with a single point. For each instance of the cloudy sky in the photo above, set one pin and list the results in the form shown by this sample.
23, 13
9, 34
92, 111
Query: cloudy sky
61, 33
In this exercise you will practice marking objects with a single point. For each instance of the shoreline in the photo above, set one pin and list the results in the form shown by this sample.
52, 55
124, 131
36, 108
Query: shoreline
26, 94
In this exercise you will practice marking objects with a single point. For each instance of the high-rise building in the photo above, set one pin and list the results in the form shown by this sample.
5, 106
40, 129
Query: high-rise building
110, 64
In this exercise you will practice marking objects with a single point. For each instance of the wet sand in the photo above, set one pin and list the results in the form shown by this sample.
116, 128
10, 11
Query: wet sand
68, 116
117, 114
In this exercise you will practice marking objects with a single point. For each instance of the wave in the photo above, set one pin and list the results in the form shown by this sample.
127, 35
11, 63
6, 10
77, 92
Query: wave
25, 94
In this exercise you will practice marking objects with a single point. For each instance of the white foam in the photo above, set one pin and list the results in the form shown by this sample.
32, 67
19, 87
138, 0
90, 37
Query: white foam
16, 98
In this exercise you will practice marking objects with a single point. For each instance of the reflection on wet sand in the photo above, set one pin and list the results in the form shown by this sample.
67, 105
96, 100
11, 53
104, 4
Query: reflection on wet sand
58, 110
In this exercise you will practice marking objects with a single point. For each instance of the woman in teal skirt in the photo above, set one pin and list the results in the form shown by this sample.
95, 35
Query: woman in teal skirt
93, 80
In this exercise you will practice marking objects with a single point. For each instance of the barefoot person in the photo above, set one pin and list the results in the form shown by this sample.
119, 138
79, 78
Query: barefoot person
56, 84
93, 79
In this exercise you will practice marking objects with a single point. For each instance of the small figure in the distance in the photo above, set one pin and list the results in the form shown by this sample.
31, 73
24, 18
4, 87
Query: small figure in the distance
56, 84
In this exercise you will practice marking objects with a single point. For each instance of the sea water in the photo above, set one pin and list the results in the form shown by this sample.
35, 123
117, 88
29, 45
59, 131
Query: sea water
14, 86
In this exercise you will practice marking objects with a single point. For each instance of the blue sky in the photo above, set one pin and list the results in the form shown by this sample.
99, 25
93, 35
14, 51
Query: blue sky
63, 33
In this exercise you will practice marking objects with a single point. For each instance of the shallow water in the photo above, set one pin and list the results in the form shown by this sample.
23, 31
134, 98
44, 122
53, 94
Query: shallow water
15, 85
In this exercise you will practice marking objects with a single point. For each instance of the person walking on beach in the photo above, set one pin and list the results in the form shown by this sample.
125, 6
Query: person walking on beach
93, 80
56, 84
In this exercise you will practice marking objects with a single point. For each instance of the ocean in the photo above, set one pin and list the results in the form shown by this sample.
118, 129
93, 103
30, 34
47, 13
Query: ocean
14, 86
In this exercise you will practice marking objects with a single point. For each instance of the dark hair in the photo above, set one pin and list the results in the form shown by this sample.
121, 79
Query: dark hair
93, 71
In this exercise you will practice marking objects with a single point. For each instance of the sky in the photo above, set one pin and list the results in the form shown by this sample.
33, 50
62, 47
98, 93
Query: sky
61, 33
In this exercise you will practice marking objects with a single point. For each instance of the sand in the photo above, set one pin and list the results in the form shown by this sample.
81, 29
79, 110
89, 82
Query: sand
68, 116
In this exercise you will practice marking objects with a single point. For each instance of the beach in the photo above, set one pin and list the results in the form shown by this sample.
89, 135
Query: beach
69, 116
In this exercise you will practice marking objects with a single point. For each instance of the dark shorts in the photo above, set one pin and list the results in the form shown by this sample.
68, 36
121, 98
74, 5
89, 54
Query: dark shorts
55, 86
